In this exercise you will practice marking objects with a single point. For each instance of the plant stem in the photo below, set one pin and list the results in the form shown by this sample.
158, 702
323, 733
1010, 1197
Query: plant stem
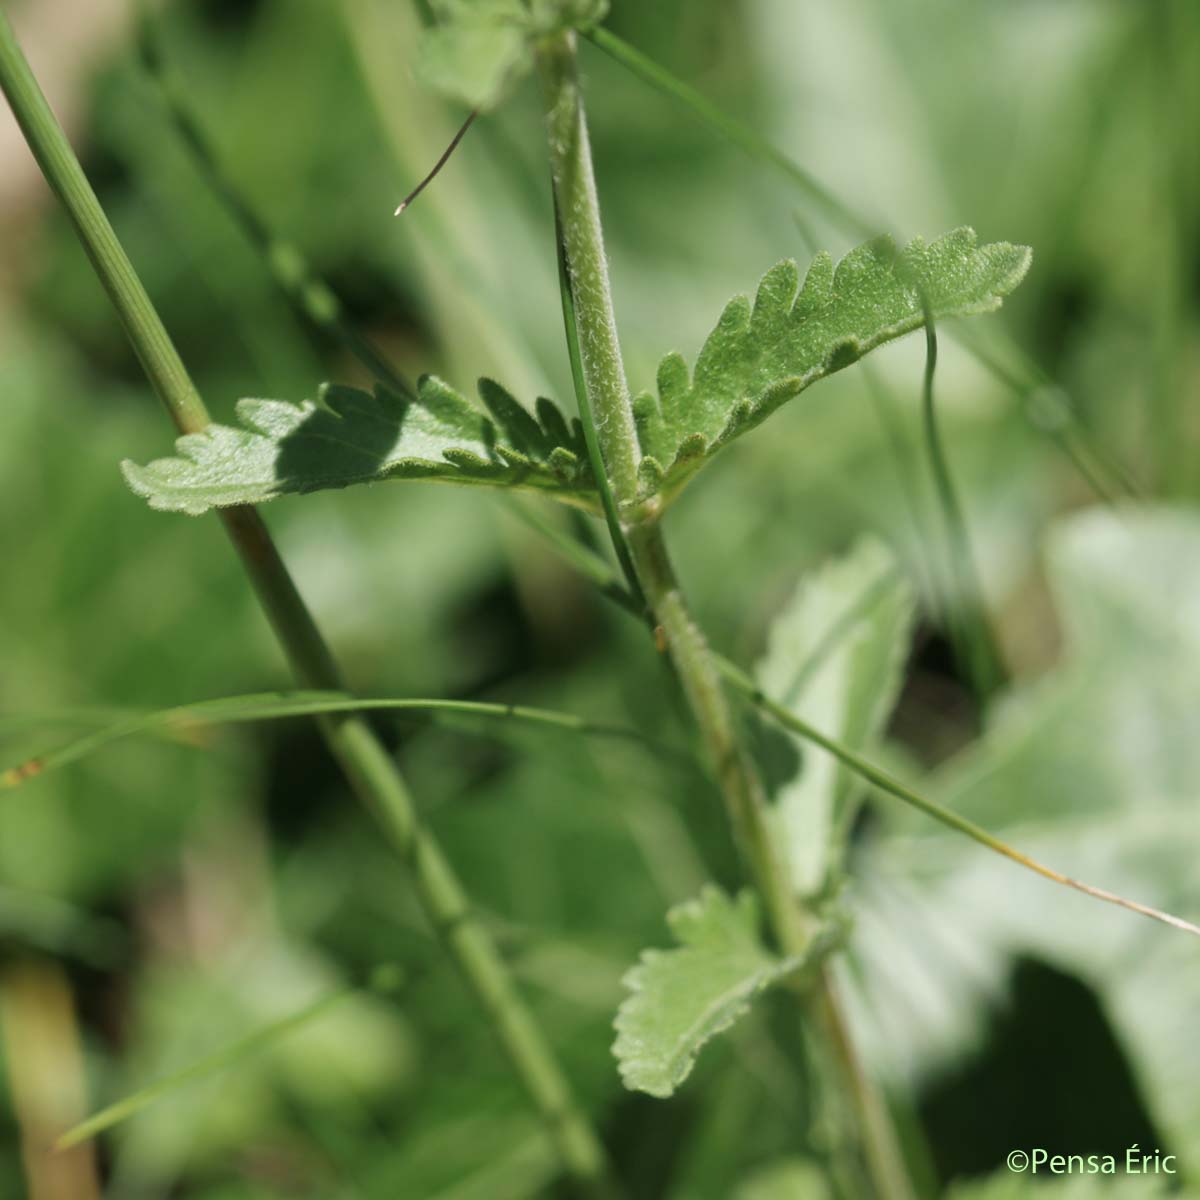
952, 820
885, 1161
594, 568
363, 758
607, 409
612, 515
739, 782
610, 407
966, 616
587, 265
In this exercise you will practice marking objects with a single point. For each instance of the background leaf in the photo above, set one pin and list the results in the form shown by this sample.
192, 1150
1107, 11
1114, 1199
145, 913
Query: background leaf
786, 1179
1022, 1186
480, 47
473, 64
834, 657
1092, 768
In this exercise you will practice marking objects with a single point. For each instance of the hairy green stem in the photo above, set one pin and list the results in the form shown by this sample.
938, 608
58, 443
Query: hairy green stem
740, 785
363, 758
583, 400
583, 245
594, 568
885, 1161
609, 405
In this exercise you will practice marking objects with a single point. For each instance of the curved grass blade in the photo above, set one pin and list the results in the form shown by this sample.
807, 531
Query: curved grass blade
267, 706
601, 574
384, 980
893, 787
441, 162
966, 615
740, 135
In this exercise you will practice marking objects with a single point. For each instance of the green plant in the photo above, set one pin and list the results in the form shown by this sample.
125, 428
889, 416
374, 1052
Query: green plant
831, 663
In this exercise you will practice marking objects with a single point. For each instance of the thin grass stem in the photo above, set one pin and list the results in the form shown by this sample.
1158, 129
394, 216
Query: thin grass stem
754, 144
310, 295
272, 706
595, 569
966, 616
887, 783
254, 1043
365, 761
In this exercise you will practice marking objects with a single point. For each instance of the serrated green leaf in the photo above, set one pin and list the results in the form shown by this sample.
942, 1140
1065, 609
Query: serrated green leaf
681, 998
353, 436
761, 355
757, 357
834, 657
479, 48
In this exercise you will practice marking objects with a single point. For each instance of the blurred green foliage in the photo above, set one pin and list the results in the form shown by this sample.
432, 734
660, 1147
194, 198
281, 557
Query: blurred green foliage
196, 892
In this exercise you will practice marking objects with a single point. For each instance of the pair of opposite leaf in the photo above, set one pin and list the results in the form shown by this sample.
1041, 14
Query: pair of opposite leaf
760, 355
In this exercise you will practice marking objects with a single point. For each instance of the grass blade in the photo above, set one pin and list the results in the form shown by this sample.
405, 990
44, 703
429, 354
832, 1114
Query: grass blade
960, 824
975, 648
368, 767
598, 571
269, 706
209, 1064
308, 293
658, 77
